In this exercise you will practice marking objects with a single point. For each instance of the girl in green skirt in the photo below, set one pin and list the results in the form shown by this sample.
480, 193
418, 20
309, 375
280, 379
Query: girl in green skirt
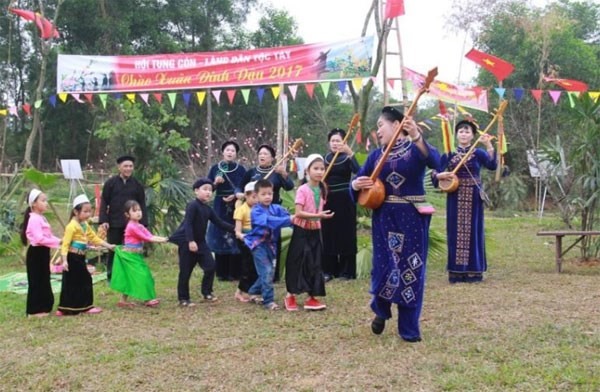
131, 275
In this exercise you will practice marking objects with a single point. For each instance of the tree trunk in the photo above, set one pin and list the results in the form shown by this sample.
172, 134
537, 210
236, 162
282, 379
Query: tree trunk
45, 51
36, 112
361, 99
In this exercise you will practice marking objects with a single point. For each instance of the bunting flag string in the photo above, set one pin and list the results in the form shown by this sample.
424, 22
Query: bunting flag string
518, 93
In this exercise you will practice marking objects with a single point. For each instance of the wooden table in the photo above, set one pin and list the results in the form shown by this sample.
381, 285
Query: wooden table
559, 234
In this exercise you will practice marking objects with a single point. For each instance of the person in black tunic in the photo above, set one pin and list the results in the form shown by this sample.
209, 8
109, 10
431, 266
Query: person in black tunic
339, 232
190, 237
279, 178
226, 175
116, 191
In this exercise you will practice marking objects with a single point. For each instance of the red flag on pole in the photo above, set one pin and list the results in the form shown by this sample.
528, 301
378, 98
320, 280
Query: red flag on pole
394, 8
568, 84
47, 29
500, 68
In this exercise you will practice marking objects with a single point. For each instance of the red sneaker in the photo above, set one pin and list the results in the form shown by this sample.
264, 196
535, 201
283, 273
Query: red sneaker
313, 304
290, 303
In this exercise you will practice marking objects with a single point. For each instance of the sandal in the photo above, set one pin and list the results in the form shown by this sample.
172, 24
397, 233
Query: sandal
152, 303
94, 310
125, 304
241, 297
256, 299
272, 306
186, 303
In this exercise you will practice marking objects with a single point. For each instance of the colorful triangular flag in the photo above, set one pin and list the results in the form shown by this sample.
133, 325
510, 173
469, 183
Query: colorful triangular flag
293, 90
172, 99
200, 95
555, 95
310, 89
246, 94
217, 95
275, 90
231, 95
260, 92
325, 87
103, 99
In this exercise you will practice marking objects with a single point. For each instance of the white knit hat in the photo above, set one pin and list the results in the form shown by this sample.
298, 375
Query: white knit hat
250, 187
310, 159
33, 195
80, 200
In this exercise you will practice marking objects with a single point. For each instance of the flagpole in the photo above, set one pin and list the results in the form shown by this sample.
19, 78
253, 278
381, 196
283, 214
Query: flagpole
460, 64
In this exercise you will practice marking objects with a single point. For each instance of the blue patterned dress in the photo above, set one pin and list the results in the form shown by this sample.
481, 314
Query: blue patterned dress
400, 234
464, 210
219, 241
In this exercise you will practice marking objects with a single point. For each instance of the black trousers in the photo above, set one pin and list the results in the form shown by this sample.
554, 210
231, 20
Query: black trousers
77, 292
39, 290
187, 262
340, 266
228, 266
248, 273
114, 235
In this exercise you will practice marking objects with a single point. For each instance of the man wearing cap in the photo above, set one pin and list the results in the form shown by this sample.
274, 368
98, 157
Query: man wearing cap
116, 191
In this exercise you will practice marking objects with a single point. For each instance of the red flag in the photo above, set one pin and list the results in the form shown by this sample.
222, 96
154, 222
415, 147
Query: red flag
394, 8
500, 68
568, 84
47, 29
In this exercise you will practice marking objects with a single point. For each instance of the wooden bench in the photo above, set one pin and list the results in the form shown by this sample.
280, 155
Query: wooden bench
559, 234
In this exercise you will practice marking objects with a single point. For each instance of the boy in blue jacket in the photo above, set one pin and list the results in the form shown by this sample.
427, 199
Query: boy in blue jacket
266, 219
190, 239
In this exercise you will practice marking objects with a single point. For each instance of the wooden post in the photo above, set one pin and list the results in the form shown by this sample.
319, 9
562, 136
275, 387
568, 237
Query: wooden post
559, 253
209, 128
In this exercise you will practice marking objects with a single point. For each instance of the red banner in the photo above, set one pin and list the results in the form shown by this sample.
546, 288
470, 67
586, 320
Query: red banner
288, 64
470, 97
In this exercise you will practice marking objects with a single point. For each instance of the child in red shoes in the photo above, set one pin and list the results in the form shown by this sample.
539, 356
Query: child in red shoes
303, 272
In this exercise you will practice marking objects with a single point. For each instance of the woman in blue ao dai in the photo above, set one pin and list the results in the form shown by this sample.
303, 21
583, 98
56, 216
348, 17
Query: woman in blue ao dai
464, 207
400, 233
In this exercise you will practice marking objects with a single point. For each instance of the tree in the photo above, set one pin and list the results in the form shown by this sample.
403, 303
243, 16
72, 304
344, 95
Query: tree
559, 40
152, 137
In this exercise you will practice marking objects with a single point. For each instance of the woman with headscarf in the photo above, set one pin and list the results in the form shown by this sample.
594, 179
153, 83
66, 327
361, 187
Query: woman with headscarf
226, 176
339, 232
400, 230
464, 207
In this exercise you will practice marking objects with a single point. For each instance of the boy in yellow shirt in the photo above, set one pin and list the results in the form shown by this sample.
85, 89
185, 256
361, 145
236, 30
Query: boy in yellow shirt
243, 225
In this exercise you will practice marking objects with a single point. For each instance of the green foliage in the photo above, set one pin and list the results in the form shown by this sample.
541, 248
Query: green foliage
150, 138
9, 227
43, 180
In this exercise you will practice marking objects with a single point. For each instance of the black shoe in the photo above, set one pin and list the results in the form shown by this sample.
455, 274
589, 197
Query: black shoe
412, 340
377, 325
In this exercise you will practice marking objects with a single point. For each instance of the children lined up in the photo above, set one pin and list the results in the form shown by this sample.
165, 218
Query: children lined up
258, 224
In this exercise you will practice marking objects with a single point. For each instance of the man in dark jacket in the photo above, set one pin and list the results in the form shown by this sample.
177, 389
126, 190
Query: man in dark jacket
116, 191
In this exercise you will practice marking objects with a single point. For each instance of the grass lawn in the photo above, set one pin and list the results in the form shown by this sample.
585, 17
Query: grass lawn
525, 328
